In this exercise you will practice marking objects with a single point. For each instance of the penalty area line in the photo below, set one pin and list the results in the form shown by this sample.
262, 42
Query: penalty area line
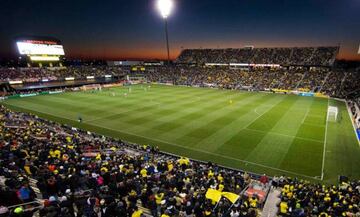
325, 141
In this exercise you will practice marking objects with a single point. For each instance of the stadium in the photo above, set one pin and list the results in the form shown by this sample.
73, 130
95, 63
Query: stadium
221, 132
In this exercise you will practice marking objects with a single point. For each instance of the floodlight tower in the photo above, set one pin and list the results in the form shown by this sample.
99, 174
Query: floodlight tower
165, 7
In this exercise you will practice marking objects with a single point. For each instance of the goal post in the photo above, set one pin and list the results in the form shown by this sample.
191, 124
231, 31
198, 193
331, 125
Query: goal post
332, 114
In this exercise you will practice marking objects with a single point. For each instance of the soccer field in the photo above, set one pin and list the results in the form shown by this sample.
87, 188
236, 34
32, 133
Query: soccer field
259, 132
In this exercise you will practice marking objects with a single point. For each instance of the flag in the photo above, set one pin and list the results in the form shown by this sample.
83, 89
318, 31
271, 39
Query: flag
230, 196
213, 195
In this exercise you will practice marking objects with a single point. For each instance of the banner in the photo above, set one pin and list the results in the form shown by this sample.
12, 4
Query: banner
69, 79
321, 95
231, 196
14, 96
15, 82
32, 94
276, 90
28, 95
55, 92
306, 94
213, 195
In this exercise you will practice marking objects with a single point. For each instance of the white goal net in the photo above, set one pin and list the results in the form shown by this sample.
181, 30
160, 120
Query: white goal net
332, 114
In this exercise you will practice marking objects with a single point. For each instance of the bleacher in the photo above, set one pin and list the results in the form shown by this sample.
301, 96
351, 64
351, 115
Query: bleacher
295, 56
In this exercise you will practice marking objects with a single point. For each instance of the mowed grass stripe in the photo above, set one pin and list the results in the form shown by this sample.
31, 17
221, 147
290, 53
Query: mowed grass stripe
138, 127
130, 100
268, 120
303, 152
274, 147
342, 148
71, 110
168, 106
264, 123
197, 136
304, 157
43, 107
205, 116
243, 116
314, 123
158, 106
106, 95
151, 115
93, 106
203, 107
70, 105
173, 120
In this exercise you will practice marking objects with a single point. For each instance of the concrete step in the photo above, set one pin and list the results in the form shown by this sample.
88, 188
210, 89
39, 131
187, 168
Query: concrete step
270, 207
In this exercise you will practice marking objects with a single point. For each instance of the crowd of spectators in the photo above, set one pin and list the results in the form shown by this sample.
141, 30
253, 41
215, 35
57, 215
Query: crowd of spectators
333, 83
90, 175
336, 83
305, 56
313, 80
354, 106
38, 74
301, 198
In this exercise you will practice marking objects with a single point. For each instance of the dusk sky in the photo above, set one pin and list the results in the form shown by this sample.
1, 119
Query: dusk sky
133, 29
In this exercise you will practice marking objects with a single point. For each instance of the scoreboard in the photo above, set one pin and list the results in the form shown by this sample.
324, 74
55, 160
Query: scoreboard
32, 47
40, 49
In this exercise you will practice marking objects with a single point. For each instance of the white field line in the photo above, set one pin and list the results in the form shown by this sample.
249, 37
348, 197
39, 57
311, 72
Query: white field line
113, 114
325, 141
315, 125
285, 135
181, 146
352, 123
317, 116
303, 120
255, 110
310, 115
269, 108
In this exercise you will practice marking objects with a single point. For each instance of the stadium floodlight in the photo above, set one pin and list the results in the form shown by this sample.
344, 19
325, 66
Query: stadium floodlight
165, 7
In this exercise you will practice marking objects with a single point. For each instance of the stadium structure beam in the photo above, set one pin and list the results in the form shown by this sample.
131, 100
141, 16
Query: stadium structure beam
167, 40
165, 8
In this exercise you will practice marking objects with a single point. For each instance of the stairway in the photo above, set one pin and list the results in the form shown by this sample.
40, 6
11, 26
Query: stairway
302, 78
324, 81
270, 207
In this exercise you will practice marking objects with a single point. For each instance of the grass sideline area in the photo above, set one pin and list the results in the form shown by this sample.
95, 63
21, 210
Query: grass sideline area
259, 132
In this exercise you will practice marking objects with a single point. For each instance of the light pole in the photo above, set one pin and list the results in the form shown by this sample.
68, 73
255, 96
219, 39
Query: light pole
165, 8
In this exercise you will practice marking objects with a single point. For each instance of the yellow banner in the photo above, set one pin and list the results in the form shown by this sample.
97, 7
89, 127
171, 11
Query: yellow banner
213, 195
230, 196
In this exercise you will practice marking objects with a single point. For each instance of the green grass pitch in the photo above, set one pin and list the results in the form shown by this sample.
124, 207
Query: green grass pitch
259, 132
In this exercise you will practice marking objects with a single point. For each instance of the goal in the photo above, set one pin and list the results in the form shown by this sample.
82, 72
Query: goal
332, 114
